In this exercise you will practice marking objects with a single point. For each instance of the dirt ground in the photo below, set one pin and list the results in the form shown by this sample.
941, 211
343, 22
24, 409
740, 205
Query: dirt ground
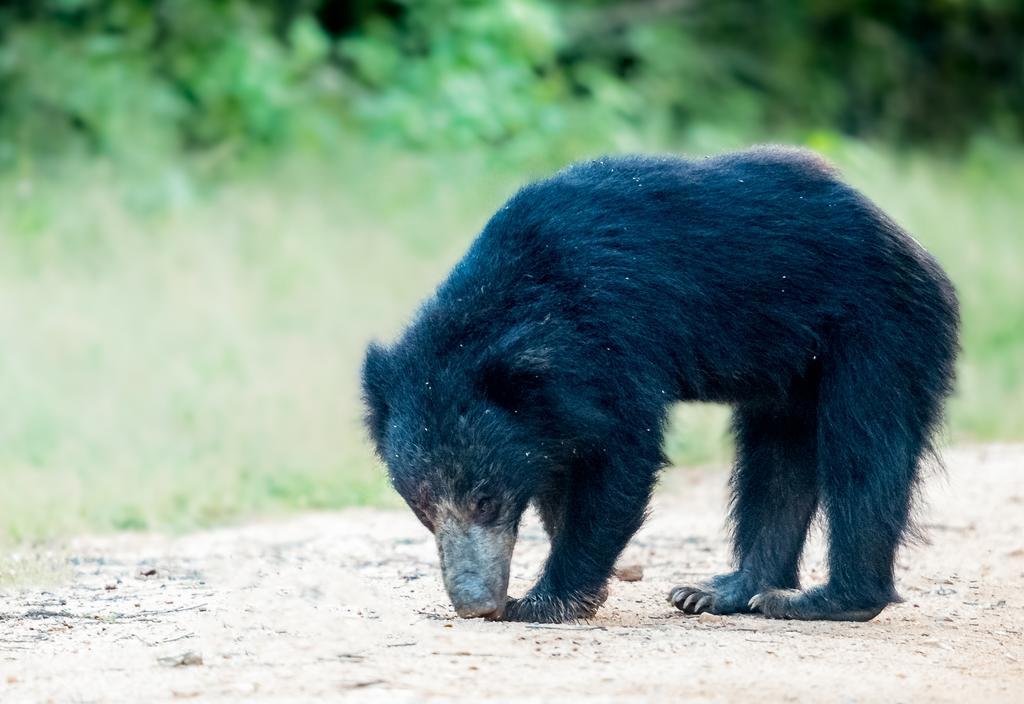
348, 606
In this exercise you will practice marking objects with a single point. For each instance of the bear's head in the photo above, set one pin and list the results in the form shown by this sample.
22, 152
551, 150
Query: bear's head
469, 433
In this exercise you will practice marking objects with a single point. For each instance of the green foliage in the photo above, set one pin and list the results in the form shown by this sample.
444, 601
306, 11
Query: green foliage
461, 73
137, 78
95, 86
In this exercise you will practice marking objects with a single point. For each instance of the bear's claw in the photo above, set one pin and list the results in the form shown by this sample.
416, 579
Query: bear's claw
692, 600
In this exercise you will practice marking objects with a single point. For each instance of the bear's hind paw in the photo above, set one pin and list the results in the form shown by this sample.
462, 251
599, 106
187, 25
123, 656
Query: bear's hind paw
811, 605
725, 594
691, 600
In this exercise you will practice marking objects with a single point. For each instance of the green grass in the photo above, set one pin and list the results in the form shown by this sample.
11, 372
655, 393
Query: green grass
178, 354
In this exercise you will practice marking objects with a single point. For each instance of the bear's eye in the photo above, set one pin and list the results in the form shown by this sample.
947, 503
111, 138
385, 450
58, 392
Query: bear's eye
485, 510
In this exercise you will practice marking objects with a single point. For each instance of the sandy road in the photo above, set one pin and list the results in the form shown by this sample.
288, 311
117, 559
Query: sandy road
348, 606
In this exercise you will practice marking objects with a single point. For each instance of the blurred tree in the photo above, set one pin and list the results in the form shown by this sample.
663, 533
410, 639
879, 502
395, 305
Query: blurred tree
127, 76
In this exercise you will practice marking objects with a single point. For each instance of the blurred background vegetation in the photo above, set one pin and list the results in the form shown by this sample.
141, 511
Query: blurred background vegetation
208, 208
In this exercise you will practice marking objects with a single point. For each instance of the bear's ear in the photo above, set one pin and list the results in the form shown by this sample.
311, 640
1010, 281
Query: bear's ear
514, 382
376, 377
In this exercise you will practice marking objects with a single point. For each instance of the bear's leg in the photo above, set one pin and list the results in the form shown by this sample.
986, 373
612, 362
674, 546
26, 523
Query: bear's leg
774, 498
551, 503
604, 505
874, 425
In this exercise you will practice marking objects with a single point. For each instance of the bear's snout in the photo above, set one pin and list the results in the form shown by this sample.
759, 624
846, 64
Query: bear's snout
472, 598
475, 563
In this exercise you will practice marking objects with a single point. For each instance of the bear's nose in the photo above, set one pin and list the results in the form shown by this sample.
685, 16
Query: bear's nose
471, 598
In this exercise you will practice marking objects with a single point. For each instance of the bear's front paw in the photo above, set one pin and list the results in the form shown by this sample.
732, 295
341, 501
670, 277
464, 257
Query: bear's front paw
553, 608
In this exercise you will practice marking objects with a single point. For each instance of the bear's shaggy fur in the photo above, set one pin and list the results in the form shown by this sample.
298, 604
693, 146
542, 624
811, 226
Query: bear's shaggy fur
543, 367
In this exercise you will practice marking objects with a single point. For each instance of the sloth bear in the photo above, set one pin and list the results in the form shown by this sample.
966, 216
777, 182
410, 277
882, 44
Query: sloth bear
542, 368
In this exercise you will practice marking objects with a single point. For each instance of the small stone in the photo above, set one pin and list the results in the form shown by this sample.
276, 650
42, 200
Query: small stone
187, 659
707, 617
630, 573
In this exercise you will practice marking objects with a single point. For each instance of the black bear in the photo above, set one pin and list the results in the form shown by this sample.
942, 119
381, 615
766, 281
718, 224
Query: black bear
542, 368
